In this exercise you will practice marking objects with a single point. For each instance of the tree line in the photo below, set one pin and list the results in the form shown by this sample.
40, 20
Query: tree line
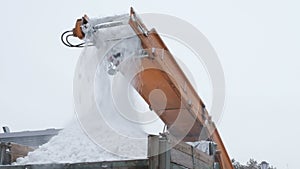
251, 164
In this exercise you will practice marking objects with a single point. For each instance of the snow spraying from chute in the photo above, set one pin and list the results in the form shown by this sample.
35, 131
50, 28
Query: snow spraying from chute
107, 125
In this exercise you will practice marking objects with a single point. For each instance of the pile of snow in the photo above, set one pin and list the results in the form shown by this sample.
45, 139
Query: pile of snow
70, 145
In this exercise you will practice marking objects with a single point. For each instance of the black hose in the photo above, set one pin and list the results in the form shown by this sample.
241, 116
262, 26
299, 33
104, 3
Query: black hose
62, 38
65, 40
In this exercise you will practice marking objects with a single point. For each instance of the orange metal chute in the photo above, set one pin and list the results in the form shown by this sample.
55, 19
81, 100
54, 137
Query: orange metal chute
181, 99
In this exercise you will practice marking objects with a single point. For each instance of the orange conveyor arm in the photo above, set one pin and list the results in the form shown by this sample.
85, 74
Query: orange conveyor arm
181, 100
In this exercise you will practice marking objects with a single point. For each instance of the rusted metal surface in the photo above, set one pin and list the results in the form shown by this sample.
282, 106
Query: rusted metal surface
11, 151
18, 150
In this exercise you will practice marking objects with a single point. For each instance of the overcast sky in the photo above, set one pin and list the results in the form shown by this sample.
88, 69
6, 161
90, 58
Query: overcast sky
257, 43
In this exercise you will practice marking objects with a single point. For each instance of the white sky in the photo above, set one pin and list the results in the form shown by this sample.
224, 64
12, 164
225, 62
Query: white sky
256, 41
